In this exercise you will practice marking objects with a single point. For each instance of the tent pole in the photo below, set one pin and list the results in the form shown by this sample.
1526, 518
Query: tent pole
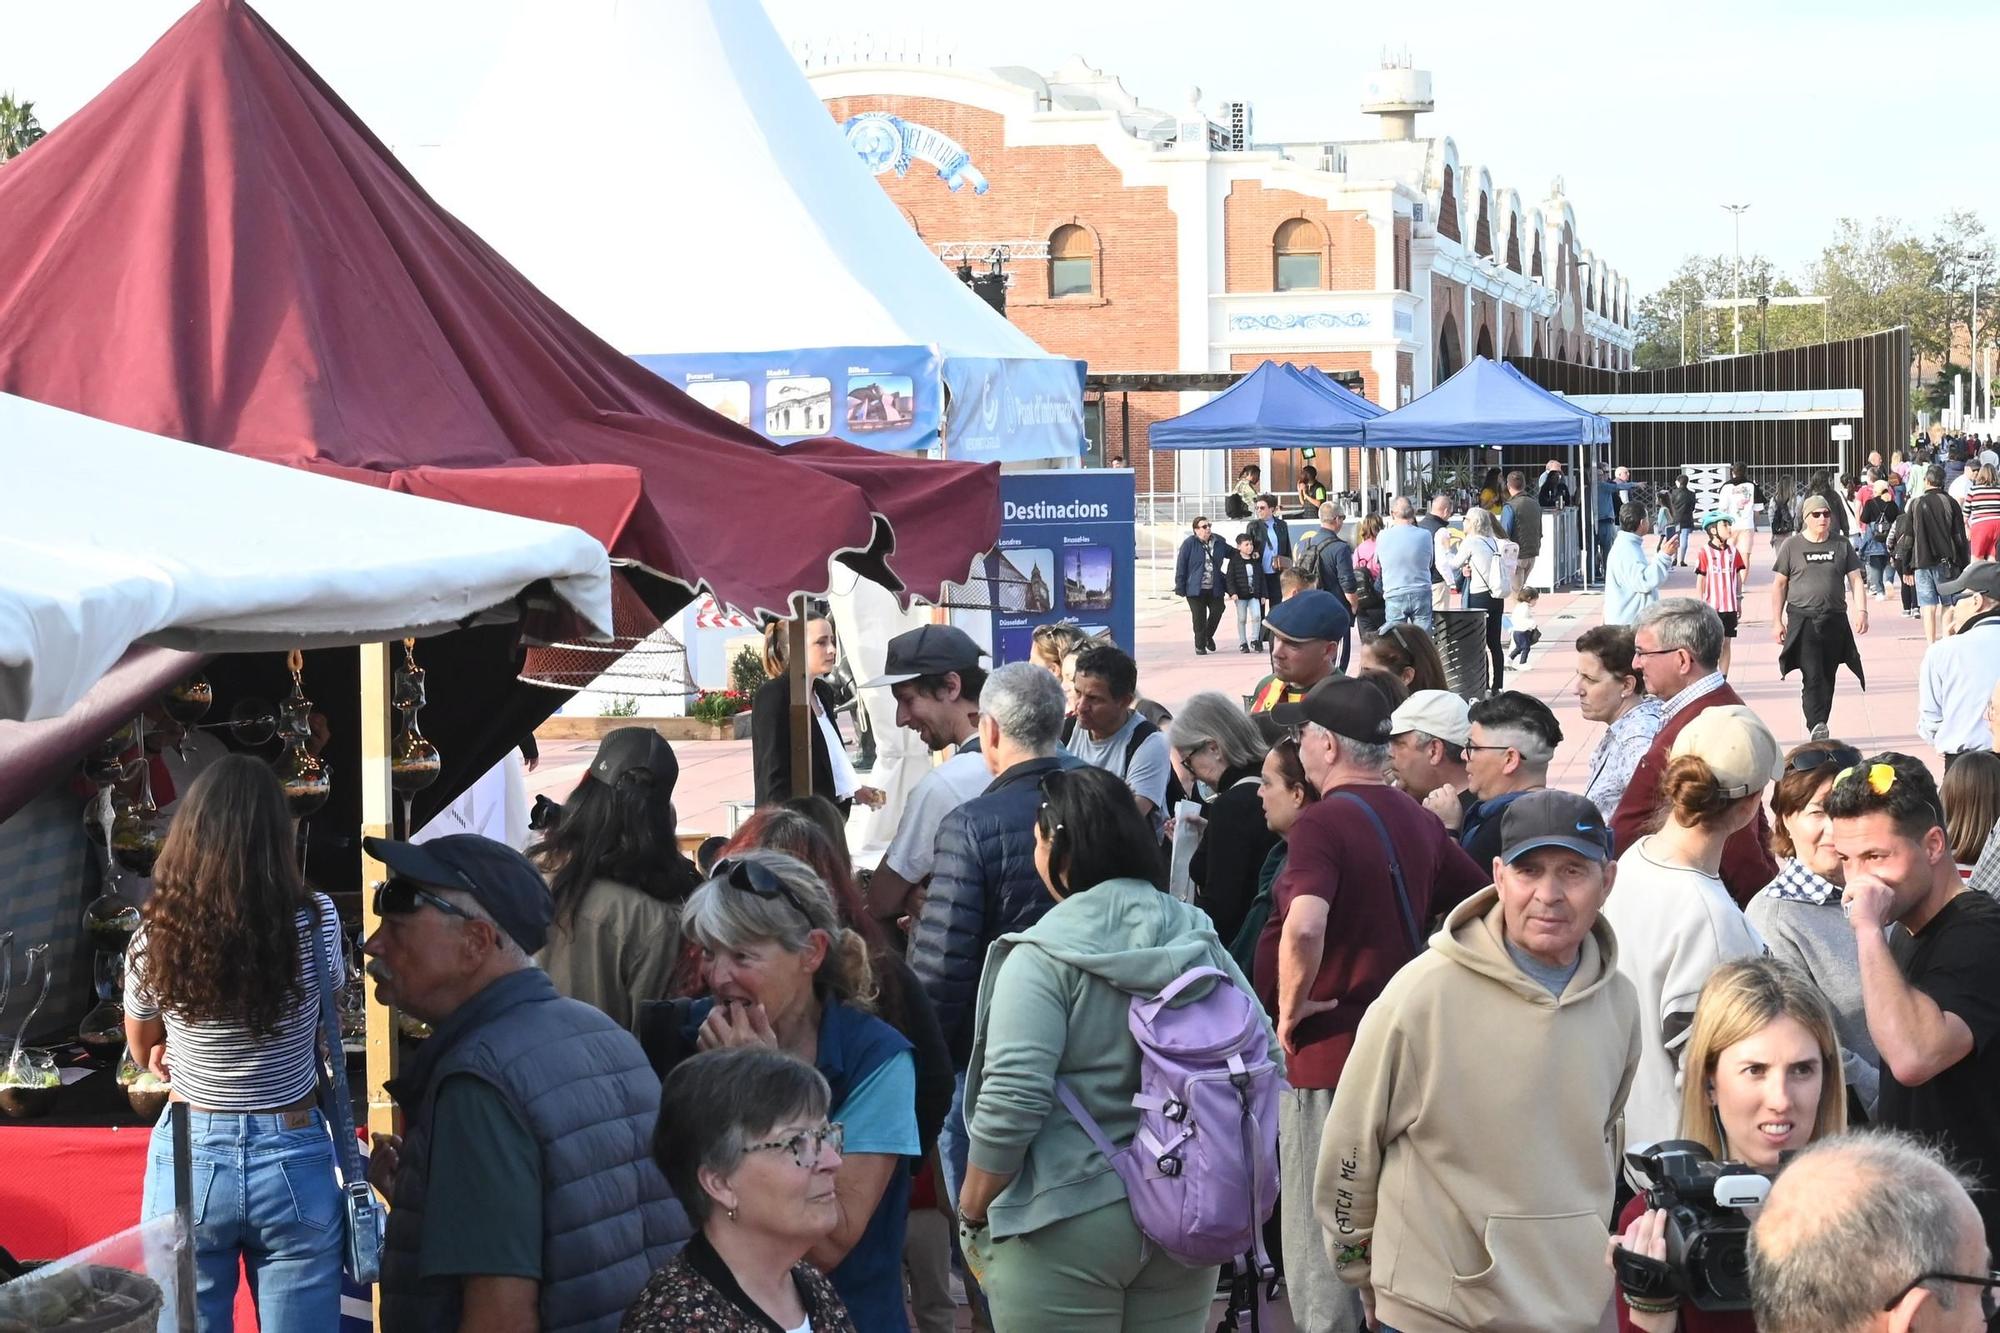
377, 821
802, 718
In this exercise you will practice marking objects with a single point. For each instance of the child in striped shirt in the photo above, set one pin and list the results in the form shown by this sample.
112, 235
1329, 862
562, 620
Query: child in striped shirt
1718, 577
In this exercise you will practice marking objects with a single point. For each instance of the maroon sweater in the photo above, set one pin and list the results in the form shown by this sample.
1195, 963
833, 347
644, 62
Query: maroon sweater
1747, 863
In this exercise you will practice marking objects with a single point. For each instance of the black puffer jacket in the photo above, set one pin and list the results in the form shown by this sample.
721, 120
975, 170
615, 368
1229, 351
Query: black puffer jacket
983, 885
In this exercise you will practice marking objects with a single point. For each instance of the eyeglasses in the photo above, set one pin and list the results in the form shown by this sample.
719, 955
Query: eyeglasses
759, 880
1638, 653
1188, 753
1201, 527
1819, 756
1989, 1302
1469, 747
400, 897
808, 1145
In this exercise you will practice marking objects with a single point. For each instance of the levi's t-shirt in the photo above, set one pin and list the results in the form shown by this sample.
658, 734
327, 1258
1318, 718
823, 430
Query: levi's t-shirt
1817, 572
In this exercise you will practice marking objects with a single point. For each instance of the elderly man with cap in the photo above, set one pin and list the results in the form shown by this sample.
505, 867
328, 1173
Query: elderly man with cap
1306, 631
523, 1193
1427, 736
1368, 870
1816, 571
934, 673
1517, 1026
1960, 671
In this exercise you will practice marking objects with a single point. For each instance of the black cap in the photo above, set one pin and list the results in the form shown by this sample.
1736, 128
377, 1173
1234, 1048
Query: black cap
1550, 818
500, 879
1982, 577
636, 747
928, 650
1345, 706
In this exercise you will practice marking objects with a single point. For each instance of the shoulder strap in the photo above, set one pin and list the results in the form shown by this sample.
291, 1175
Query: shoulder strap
1395, 871
335, 1103
1069, 728
1137, 739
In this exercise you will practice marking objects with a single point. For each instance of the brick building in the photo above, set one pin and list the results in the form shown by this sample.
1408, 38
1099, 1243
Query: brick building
1142, 240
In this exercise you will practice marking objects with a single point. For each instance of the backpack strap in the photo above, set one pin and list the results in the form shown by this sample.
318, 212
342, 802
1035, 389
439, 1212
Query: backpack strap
1149, 1008
1083, 1117
1395, 871
1139, 736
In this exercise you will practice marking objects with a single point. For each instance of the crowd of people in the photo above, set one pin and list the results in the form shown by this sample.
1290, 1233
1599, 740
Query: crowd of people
765, 1088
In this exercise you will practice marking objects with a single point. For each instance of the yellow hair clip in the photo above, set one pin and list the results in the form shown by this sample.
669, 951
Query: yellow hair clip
1880, 777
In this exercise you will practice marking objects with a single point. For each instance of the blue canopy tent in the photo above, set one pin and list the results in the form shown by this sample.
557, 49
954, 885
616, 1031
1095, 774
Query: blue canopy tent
1277, 405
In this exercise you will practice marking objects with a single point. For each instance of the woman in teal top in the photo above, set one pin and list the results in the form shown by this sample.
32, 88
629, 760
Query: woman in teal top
1044, 1221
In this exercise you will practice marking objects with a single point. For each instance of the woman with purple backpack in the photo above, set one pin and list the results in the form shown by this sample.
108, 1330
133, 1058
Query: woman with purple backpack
1088, 1064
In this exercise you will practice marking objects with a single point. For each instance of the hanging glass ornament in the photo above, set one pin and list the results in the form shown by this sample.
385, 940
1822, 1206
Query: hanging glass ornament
414, 762
139, 829
303, 774
188, 702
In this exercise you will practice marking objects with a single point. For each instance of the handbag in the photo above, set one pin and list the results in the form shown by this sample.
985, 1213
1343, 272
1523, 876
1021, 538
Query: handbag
365, 1223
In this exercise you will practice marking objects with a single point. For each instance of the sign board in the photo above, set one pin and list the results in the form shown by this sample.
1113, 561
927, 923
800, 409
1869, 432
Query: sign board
1065, 557
1843, 431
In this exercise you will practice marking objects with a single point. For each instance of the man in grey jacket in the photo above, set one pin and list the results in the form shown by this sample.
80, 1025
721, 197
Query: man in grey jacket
983, 878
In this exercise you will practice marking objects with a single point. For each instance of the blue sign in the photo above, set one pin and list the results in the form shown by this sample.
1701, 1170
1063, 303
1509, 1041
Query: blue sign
1065, 557
1014, 409
887, 143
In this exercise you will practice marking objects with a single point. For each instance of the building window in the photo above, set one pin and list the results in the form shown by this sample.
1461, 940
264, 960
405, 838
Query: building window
1297, 251
1072, 263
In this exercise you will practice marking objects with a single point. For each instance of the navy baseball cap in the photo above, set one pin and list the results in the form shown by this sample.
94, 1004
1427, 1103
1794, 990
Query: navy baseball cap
1550, 818
500, 879
1310, 614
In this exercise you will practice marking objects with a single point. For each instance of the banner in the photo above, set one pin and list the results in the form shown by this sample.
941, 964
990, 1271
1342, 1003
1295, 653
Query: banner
886, 398
1065, 557
1013, 410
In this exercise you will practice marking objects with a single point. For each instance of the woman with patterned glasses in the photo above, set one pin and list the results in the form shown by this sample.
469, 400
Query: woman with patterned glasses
1798, 913
784, 973
744, 1140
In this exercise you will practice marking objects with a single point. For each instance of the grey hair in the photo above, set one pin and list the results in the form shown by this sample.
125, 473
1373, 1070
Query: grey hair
1370, 755
1445, 496
1213, 716
508, 948
1026, 702
1329, 512
1478, 522
1535, 750
1685, 622
719, 916
1842, 1265
1400, 508
712, 1105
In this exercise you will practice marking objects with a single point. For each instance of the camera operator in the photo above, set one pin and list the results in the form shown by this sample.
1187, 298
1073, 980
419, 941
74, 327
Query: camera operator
1870, 1232
1762, 1077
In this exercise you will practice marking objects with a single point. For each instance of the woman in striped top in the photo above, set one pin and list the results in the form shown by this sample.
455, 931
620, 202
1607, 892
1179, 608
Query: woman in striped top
1982, 513
222, 996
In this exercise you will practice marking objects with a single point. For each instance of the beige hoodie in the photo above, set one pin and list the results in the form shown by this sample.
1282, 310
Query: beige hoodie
1468, 1165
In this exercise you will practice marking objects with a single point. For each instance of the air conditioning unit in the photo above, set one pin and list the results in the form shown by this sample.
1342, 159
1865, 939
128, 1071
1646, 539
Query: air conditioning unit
1236, 116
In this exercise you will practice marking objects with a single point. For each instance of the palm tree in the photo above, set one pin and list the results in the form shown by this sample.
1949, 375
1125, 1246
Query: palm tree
18, 126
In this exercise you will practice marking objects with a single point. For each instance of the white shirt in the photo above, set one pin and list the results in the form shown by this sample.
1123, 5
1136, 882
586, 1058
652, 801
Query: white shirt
913, 851
1739, 501
845, 780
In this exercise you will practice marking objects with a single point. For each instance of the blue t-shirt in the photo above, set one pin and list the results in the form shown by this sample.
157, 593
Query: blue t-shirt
1405, 552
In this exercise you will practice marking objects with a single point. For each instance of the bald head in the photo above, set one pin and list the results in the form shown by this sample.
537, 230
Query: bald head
1850, 1223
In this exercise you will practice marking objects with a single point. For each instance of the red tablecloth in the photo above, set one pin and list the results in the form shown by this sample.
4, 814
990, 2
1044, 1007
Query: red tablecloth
63, 1189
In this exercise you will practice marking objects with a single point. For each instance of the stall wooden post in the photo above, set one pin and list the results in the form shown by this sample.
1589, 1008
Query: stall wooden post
377, 821
802, 715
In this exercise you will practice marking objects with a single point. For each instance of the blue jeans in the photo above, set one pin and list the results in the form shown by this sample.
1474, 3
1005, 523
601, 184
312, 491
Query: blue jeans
954, 1143
1414, 607
263, 1194
1928, 579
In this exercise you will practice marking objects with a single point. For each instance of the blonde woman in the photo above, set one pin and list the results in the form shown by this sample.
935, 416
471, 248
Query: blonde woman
1763, 1078
1486, 586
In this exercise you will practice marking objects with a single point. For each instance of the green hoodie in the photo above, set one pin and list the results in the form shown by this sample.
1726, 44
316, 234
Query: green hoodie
1053, 1003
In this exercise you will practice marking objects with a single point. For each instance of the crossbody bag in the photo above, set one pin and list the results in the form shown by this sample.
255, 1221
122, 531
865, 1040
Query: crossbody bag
364, 1222
1410, 927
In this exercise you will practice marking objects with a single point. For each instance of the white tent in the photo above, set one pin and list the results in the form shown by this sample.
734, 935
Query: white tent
692, 196
111, 537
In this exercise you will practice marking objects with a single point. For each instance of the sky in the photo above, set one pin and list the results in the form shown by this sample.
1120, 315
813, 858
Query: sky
1808, 111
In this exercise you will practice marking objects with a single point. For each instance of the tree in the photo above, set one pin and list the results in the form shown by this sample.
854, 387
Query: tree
18, 127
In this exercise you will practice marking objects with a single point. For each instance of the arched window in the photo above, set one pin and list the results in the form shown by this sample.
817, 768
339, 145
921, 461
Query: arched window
1296, 255
1072, 262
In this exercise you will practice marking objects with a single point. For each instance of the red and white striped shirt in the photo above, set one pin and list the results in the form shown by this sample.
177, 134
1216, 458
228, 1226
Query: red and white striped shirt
1720, 569
1982, 503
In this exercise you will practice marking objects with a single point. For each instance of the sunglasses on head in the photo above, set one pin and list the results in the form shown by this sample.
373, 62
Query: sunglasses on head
1819, 756
759, 880
401, 897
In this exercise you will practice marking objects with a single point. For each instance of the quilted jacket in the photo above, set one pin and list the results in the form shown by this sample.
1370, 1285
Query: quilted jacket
983, 885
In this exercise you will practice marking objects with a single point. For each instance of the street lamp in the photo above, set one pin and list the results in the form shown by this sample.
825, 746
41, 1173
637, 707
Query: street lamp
1736, 314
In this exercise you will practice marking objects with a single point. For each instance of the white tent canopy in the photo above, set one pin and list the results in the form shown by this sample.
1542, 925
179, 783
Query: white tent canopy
690, 193
111, 537
1750, 405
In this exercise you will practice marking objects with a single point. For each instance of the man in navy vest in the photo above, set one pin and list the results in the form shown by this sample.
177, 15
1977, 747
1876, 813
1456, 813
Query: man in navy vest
522, 1192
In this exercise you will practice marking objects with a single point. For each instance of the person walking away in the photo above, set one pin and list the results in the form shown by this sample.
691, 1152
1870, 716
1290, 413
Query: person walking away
1719, 571
1479, 561
1933, 1004
1681, 507
1815, 574
1518, 1010
222, 999
1047, 1229
1676, 921
1632, 579
1764, 1080
1982, 513
1245, 582
1522, 618
1437, 520
1959, 672
1939, 550
1738, 499
1878, 520
1676, 645
1523, 521
1611, 690
1201, 574
1799, 914
1367, 600
1404, 552
1367, 870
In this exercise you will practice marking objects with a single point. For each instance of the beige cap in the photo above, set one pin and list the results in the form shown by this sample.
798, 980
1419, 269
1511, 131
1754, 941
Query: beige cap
1438, 713
1736, 744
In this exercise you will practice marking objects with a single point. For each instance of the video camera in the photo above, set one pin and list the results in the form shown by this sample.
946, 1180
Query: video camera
1707, 1234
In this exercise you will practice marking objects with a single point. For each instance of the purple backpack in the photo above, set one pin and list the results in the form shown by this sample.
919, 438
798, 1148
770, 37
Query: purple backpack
1201, 1172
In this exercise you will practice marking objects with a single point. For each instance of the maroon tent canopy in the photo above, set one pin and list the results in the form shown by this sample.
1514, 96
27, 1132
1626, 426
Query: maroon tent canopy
216, 249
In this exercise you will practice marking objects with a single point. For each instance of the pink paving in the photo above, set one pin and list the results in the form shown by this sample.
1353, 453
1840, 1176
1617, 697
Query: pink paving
1882, 718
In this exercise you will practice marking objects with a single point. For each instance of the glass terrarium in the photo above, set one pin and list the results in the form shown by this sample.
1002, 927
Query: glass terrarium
145, 1090
102, 1030
29, 1084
